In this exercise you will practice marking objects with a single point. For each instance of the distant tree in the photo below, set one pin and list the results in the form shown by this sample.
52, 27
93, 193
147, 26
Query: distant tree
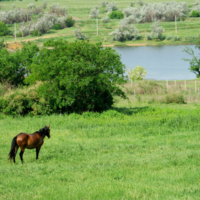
157, 30
94, 13
139, 73
195, 61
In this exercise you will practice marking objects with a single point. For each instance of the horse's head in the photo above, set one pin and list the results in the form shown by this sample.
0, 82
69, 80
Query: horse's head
47, 131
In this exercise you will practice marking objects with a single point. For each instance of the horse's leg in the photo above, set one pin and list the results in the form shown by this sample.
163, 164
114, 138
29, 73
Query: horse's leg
16, 149
37, 151
21, 154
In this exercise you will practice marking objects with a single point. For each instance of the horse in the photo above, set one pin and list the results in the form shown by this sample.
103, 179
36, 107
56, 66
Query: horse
28, 141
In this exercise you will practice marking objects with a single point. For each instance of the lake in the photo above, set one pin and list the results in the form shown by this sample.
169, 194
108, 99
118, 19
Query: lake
160, 62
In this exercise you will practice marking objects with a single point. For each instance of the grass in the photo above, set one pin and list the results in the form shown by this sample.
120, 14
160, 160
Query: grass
187, 30
134, 151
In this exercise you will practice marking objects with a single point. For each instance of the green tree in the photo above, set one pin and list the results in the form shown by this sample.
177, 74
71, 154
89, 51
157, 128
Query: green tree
195, 61
78, 76
3, 29
13, 65
138, 73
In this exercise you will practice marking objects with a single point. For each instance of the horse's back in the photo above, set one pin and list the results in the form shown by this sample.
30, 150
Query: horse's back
29, 141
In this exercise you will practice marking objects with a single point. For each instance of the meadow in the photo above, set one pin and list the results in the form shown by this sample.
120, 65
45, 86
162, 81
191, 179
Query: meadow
187, 30
136, 150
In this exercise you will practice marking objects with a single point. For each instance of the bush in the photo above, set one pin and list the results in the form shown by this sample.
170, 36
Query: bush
173, 98
69, 22
116, 15
36, 33
57, 26
17, 62
19, 34
125, 32
3, 29
77, 77
105, 19
195, 13
78, 34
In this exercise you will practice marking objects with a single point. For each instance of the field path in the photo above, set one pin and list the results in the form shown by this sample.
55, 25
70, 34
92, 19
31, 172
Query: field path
50, 36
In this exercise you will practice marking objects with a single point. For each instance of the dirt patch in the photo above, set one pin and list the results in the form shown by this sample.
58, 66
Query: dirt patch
14, 46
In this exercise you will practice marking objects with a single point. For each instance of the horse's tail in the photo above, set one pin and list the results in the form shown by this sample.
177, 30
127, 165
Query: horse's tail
12, 150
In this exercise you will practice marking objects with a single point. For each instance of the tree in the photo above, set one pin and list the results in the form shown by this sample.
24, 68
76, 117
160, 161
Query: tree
157, 30
13, 65
195, 61
77, 77
138, 73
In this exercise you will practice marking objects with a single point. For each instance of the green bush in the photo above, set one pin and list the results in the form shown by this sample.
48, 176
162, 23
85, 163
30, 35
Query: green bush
19, 34
3, 29
36, 33
69, 22
116, 15
17, 62
57, 26
77, 77
195, 13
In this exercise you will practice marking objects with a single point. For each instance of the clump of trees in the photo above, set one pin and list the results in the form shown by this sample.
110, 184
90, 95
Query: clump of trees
70, 77
15, 16
58, 10
159, 11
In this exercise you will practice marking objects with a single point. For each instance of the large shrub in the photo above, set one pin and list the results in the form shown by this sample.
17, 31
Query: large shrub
77, 77
69, 22
195, 13
125, 32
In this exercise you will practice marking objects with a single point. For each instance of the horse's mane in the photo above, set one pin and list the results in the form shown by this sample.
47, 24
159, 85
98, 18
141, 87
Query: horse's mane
42, 131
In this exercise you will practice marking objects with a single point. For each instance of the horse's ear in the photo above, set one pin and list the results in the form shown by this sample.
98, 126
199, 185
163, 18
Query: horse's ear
48, 126
45, 125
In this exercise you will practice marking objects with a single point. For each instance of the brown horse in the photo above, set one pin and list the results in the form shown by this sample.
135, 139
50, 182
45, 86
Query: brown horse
29, 141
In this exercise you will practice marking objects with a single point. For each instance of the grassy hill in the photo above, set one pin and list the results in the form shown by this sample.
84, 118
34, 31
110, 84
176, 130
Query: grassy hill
188, 30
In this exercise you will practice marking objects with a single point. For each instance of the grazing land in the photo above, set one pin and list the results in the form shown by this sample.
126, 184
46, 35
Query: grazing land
187, 30
135, 151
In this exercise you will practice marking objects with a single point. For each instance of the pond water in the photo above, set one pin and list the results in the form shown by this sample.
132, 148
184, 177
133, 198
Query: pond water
160, 62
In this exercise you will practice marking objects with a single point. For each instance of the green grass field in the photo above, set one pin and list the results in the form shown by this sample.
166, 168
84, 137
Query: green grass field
135, 151
187, 30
